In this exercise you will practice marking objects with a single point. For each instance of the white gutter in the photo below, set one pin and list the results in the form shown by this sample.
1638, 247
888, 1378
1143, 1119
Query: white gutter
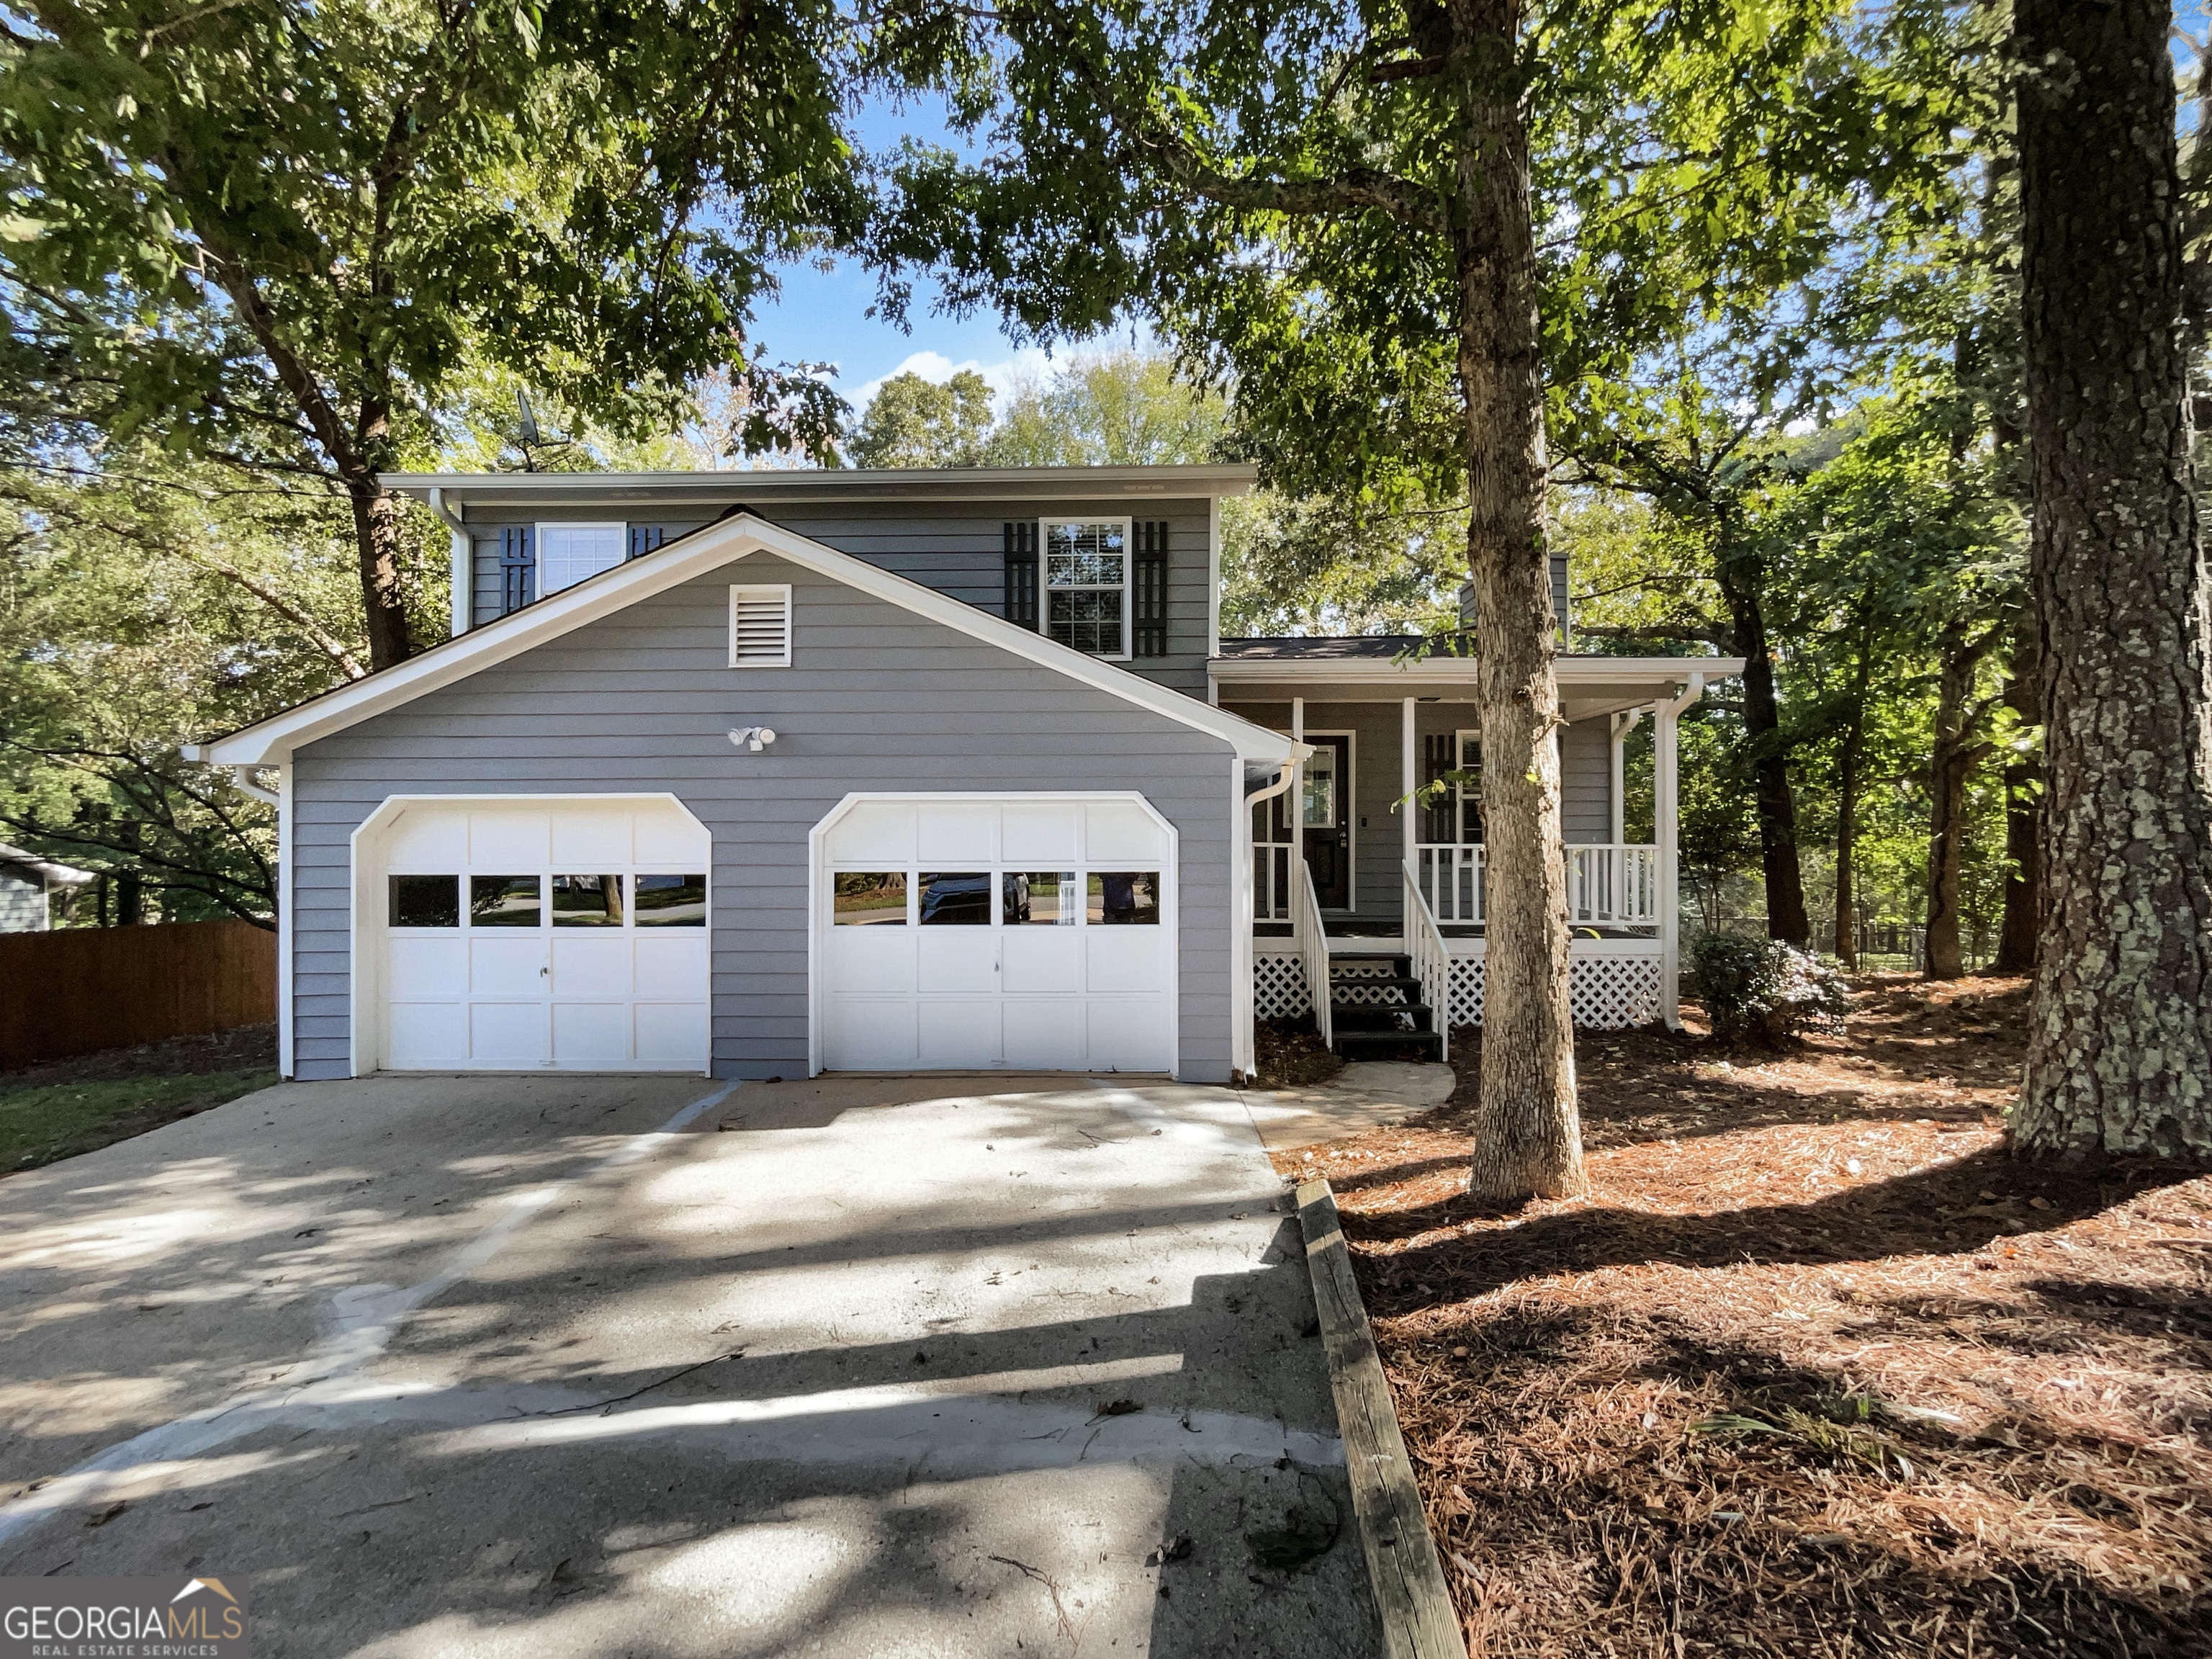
463, 556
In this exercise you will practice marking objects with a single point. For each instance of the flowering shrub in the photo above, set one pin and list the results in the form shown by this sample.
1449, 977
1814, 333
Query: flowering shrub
1763, 993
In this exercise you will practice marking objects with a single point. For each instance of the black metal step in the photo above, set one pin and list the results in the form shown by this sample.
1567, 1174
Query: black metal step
1350, 1042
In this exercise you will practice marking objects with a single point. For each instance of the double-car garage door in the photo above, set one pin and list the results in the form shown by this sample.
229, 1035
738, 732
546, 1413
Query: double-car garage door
964, 933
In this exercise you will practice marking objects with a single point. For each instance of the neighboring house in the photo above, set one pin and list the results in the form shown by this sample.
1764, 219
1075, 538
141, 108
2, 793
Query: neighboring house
762, 774
26, 888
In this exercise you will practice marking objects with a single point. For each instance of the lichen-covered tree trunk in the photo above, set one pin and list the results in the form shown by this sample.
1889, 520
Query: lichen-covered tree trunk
1528, 1137
2120, 1033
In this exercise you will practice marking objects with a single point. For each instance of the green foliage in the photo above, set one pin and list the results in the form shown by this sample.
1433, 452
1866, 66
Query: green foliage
1108, 409
1763, 992
1328, 566
1276, 189
285, 235
145, 603
911, 422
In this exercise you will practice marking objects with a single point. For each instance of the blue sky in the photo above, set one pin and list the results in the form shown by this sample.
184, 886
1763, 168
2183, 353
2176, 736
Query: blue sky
822, 316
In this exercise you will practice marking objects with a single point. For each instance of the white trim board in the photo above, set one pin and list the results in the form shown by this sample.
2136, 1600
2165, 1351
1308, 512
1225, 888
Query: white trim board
270, 742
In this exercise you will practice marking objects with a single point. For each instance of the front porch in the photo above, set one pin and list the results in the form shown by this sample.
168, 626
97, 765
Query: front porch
1342, 873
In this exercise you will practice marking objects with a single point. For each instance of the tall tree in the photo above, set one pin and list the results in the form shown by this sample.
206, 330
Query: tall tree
278, 233
1336, 206
2120, 1032
914, 421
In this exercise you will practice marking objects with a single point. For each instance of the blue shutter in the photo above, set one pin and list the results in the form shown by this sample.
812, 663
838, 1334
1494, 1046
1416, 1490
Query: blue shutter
1148, 589
518, 568
1022, 575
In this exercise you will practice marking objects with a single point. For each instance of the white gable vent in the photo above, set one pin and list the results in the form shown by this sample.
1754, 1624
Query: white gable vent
760, 628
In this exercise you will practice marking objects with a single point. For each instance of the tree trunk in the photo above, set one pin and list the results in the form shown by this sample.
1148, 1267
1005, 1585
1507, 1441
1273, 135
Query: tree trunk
2023, 782
1847, 841
376, 525
1777, 806
2119, 1056
1528, 1138
1953, 759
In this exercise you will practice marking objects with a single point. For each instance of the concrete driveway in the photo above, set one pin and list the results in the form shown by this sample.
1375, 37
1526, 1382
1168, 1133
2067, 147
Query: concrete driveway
536, 1366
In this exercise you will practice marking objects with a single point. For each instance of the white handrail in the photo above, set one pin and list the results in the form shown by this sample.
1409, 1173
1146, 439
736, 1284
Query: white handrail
1424, 946
1613, 882
1313, 948
1271, 879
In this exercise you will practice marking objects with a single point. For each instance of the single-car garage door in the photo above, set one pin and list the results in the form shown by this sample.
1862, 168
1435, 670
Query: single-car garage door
969, 932
559, 934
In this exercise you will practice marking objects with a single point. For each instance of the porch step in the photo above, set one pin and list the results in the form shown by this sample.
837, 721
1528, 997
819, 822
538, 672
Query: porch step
1363, 1027
1354, 1044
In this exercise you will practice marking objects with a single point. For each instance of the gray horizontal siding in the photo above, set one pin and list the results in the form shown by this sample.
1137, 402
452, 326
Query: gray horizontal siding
957, 547
876, 699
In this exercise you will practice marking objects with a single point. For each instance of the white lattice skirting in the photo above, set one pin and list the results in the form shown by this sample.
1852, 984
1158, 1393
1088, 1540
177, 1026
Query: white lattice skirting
1279, 988
1611, 994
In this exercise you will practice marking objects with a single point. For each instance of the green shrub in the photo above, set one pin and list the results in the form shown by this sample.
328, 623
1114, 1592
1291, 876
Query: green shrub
1762, 992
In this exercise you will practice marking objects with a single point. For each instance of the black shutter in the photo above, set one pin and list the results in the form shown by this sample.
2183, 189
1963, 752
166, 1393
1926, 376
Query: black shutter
1022, 575
645, 539
1148, 589
518, 568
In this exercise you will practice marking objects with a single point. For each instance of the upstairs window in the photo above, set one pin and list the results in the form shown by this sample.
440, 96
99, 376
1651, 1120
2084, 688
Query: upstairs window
1086, 584
567, 553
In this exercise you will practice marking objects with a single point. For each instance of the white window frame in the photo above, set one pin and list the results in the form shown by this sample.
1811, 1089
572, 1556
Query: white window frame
619, 527
1044, 581
779, 592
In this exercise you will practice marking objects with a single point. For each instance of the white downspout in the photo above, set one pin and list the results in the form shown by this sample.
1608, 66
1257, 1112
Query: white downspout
1665, 795
1242, 1059
463, 556
1622, 725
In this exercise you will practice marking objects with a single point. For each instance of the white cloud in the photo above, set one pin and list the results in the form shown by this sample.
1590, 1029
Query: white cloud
934, 366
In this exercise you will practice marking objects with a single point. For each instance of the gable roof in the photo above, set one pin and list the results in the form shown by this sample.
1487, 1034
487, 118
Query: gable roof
270, 742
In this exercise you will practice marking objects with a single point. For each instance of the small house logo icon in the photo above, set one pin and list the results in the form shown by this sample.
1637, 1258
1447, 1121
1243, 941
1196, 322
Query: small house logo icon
214, 1584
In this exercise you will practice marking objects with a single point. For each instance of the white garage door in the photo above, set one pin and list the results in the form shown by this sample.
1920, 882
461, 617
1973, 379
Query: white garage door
1037, 934
560, 935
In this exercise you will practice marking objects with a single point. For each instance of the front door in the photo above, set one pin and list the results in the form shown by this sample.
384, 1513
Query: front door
1326, 817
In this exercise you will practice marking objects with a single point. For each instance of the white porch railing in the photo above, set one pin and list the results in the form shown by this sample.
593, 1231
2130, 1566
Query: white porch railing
1610, 883
1313, 948
1431, 962
1271, 880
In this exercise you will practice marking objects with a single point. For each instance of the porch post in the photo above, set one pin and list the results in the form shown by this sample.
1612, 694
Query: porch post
1408, 777
1298, 816
1665, 797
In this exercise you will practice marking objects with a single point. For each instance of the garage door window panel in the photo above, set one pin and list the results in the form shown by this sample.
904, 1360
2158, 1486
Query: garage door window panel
426, 901
587, 901
1124, 899
959, 898
505, 902
868, 898
672, 901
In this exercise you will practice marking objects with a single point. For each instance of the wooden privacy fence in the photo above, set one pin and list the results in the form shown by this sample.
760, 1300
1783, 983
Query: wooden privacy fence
80, 990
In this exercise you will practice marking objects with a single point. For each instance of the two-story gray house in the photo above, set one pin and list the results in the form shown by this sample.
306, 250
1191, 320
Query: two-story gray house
764, 774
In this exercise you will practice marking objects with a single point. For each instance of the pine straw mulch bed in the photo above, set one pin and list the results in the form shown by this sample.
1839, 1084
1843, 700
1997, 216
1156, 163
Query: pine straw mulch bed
1814, 1369
1288, 1053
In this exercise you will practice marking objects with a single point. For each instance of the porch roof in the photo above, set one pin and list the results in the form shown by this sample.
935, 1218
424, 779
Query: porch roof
1367, 669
